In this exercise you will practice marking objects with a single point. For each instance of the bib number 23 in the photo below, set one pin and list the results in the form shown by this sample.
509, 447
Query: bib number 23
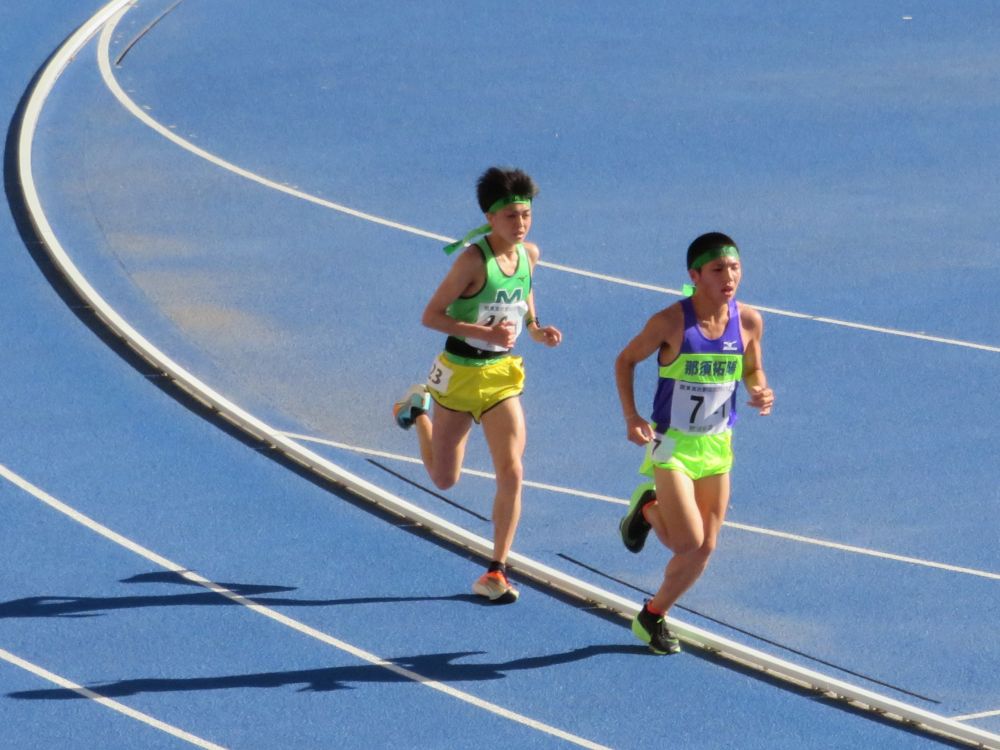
439, 376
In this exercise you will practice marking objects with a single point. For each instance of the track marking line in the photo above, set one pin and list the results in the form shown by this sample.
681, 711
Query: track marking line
287, 621
465, 470
980, 715
865, 551
107, 702
145, 30
104, 62
618, 501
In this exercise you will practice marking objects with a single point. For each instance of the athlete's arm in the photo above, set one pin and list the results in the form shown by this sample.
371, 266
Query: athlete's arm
466, 276
660, 334
548, 335
754, 378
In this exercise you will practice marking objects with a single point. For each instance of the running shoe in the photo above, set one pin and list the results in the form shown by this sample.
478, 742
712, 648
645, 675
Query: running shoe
634, 527
652, 630
495, 587
417, 401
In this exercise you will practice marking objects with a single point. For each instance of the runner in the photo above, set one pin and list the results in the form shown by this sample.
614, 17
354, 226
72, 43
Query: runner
705, 344
483, 304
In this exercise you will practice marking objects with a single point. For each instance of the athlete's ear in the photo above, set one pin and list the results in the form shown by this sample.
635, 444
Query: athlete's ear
695, 275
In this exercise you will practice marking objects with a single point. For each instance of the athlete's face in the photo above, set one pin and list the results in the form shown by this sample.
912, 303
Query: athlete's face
511, 222
718, 279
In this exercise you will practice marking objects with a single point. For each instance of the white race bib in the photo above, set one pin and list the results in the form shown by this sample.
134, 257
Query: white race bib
439, 376
701, 408
491, 313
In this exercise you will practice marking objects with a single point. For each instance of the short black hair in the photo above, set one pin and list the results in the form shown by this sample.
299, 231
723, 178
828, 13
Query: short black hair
707, 242
497, 183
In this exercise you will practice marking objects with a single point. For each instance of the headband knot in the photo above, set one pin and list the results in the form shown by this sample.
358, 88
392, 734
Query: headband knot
507, 200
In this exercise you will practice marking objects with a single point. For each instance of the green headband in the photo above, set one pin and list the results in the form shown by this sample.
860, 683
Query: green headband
509, 200
723, 251
485, 228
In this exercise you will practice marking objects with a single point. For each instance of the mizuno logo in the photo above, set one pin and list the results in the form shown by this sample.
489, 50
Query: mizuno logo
729, 346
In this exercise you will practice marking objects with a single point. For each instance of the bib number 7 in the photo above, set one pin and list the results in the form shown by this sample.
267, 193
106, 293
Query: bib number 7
701, 408
699, 401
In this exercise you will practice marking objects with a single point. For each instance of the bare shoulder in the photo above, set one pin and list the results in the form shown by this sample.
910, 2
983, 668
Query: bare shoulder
673, 314
751, 320
667, 321
472, 254
533, 252
749, 316
470, 259
662, 332
466, 271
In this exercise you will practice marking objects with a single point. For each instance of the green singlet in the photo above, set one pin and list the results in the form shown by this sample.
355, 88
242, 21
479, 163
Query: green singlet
501, 297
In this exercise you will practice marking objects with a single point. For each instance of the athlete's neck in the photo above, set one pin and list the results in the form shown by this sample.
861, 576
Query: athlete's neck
499, 247
709, 311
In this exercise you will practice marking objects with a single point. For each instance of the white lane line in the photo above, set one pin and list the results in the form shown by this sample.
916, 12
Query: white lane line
107, 702
145, 30
289, 622
981, 715
618, 501
104, 62
470, 472
865, 551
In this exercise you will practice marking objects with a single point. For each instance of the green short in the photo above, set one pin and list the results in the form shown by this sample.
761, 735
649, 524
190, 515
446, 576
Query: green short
697, 456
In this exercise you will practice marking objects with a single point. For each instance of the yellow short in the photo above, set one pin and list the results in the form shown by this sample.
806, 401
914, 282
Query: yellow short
475, 389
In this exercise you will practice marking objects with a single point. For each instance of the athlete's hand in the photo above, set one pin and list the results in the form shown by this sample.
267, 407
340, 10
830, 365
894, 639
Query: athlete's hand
549, 335
638, 430
762, 398
501, 334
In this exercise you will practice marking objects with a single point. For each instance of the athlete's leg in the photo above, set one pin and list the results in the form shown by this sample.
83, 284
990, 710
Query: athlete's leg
503, 427
652, 516
688, 516
442, 444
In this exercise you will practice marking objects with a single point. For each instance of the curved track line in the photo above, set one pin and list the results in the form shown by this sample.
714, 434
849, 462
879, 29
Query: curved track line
465, 470
544, 575
839, 546
140, 114
980, 715
107, 702
865, 551
283, 619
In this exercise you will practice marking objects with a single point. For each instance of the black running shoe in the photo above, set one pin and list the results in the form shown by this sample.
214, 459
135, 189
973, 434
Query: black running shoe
633, 527
652, 630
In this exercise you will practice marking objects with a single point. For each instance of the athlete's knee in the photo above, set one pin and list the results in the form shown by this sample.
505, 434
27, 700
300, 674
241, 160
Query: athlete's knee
688, 543
699, 556
444, 479
710, 541
445, 483
510, 473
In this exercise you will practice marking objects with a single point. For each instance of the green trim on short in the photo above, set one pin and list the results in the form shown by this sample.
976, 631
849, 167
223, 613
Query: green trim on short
696, 456
473, 362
